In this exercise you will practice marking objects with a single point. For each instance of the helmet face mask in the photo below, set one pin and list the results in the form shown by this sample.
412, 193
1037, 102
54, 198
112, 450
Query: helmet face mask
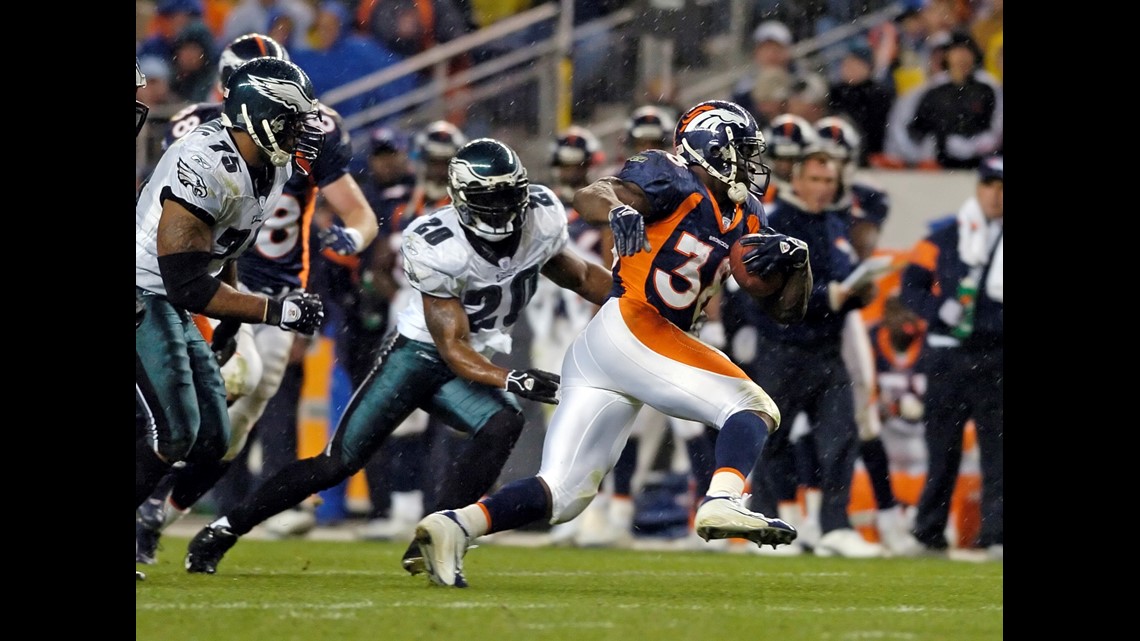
272, 100
141, 109
723, 138
489, 189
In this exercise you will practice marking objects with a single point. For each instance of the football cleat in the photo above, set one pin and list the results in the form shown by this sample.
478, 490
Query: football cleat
148, 529
443, 543
139, 576
413, 561
207, 548
725, 517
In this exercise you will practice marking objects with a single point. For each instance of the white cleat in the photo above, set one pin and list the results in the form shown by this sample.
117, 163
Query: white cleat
847, 543
725, 517
443, 543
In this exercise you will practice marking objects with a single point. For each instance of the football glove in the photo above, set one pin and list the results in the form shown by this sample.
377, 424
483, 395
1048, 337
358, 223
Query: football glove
343, 241
628, 227
534, 384
298, 311
224, 343
773, 252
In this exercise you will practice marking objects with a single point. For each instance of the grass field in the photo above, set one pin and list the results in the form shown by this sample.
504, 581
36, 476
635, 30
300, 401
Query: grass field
308, 590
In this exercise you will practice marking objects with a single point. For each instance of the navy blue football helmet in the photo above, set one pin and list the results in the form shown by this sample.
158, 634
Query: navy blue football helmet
489, 188
791, 137
838, 137
246, 48
723, 138
273, 101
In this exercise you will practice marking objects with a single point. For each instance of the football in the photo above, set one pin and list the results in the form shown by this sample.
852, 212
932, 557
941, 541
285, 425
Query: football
753, 284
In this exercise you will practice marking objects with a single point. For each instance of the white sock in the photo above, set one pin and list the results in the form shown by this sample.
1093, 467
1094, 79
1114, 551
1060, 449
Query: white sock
726, 484
473, 519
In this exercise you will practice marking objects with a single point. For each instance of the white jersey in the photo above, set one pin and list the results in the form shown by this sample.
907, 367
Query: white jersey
204, 172
440, 261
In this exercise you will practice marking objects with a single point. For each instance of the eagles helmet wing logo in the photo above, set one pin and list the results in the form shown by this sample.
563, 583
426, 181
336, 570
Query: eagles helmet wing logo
284, 92
191, 179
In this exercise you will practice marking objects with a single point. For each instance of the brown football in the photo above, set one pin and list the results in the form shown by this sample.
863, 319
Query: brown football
752, 283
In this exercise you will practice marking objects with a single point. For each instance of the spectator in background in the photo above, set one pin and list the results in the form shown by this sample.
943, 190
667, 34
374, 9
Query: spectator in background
770, 79
194, 71
648, 127
859, 97
253, 16
790, 138
955, 282
808, 96
410, 27
988, 24
338, 56
170, 19
906, 50
955, 119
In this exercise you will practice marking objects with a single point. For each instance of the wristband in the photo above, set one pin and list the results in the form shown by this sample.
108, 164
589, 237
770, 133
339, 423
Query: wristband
273, 309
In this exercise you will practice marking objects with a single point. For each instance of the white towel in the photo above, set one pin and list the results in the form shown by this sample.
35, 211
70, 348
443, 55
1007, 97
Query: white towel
975, 238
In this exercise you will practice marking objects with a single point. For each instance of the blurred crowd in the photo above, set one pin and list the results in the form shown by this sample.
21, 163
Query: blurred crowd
922, 90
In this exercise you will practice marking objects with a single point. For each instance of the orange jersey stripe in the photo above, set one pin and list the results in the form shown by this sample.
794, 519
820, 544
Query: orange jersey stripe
634, 270
665, 338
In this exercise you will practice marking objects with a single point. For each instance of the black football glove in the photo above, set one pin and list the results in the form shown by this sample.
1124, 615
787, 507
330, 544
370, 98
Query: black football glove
224, 343
773, 252
534, 384
628, 227
297, 311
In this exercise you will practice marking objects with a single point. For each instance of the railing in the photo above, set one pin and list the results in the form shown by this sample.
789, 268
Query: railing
543, 62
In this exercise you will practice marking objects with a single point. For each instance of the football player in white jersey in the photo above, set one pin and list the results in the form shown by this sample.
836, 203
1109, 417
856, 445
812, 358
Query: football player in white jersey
277, 262
474, 265
202, 207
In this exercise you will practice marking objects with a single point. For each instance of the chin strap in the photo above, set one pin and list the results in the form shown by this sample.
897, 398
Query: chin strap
277, 156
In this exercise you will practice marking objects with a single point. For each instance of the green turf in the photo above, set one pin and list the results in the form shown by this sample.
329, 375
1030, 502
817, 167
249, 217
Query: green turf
311, 591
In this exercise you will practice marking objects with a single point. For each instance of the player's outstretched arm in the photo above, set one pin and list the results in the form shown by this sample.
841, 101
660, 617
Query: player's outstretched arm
588, 279
349, 204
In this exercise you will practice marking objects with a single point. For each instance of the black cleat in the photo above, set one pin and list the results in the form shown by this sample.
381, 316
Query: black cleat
148, 529
207, 548
413, 560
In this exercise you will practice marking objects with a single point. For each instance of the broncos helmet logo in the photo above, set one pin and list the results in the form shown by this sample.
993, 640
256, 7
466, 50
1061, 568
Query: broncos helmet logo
191, 179
284, 92
712, 119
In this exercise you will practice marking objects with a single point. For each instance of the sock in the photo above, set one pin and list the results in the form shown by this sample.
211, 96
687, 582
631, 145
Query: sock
726, 482
739, 442
517, 504
473, 518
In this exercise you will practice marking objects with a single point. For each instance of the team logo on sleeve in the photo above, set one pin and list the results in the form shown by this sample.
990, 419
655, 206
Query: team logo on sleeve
191, 179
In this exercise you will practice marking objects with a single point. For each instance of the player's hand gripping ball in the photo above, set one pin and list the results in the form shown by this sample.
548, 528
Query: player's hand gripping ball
754, 283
